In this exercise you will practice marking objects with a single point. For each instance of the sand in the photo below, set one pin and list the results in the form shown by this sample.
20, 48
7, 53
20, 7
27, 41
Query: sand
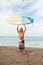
10, 56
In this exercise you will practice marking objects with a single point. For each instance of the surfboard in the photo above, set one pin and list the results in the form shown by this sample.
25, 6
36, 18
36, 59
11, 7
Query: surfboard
19, 20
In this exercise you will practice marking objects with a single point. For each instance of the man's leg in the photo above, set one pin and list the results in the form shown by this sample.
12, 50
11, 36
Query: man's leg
21, 52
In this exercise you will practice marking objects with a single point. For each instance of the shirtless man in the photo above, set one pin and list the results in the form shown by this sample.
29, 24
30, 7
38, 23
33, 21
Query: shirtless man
21, 37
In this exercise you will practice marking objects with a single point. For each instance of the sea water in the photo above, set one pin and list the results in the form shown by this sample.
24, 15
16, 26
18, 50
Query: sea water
36, 42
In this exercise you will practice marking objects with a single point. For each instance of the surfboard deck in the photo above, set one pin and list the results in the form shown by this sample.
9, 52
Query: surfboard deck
19, 20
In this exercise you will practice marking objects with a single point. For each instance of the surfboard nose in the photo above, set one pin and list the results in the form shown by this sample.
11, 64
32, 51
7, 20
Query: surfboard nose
27, 20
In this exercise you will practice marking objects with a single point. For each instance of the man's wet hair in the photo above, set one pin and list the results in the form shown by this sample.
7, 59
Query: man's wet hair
21, 29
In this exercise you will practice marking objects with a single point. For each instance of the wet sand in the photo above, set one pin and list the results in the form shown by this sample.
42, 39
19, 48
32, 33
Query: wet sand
10, 56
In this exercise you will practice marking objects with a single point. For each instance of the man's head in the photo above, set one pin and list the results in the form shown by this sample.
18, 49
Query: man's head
21, 29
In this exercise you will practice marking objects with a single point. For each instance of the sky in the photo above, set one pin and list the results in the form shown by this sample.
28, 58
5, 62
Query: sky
30, 8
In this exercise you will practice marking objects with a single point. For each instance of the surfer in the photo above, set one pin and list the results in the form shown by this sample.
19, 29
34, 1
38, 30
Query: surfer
21, 33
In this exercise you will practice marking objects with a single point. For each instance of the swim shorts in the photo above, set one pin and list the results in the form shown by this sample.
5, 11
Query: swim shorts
21, 45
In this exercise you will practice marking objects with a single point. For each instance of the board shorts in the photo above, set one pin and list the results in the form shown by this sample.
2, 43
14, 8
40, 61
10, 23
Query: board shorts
21, 45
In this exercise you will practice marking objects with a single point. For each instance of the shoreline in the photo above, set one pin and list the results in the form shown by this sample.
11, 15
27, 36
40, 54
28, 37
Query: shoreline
33, 47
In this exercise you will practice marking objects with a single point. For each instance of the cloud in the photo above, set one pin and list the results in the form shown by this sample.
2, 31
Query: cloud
22, 7
30, 8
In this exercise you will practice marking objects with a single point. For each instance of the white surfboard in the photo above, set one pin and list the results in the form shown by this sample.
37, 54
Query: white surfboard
18, 20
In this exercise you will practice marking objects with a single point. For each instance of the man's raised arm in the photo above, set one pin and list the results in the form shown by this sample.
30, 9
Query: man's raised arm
24, 28
17, 28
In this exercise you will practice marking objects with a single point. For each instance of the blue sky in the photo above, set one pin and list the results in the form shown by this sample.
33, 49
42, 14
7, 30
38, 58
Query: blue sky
30, 8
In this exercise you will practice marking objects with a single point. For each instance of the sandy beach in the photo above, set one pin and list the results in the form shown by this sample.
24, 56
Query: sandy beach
10, 56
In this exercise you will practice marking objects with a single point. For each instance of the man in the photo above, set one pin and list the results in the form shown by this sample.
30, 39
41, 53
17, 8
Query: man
21, 33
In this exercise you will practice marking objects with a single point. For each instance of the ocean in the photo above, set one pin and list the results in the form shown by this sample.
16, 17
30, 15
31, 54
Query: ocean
36, 42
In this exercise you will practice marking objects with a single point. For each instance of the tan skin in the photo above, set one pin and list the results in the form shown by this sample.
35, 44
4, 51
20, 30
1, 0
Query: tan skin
21, 36
21, 32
